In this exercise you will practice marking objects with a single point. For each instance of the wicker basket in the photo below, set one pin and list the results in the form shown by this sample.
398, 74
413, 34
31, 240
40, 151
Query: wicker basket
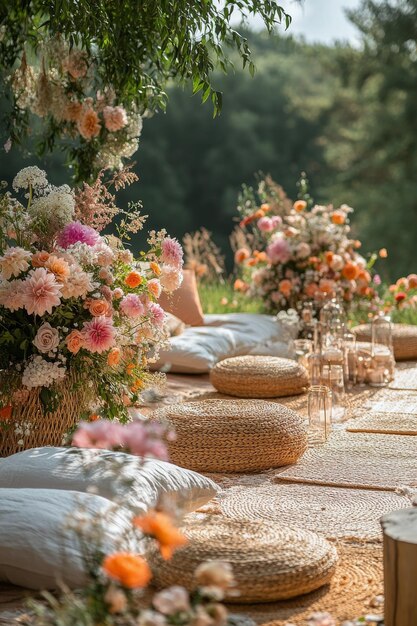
233, 435
30, 426
404, 339
259, 377
270, 561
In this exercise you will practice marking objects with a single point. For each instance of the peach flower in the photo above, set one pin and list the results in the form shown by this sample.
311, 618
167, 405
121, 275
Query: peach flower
412, 281
98, 307
47, 338
160, 526
326, 285
300, 205
114, 356
338, 217
129, 570
88, 124
241, 255
155, 268
311, 289
39, 259
285, 287
154, 287
350, 271
41, 292
75, 341
72, 111
133, 279
240, 285
383, 253
115, 118
59, 267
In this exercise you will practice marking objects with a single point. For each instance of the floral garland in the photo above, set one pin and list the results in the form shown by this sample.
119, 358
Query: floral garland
74, 301
61, 87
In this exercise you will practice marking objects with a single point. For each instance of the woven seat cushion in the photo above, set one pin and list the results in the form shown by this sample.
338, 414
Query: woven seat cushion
404, 339
233, 435
259, 377
270, 561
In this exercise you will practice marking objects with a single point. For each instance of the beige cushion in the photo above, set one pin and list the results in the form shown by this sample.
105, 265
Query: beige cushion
270, 561
259, 377
404, 339
233, 435
185, 301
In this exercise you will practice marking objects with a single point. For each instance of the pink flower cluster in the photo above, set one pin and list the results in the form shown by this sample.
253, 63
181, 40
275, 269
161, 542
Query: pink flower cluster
138, 438
75, 232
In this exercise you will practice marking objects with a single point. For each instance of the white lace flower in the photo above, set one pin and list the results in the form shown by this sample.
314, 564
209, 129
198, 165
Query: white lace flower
41, 373
30, 176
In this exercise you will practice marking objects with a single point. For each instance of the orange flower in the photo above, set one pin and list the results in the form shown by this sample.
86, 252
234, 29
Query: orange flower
240, 285
98, 308
73, 111
412, 281
383, 253
114, 356
285, 287
329, 257
133, 279
129, 570
160, 526
75, 341
338, 217
252, 262
58, 266
137, 385
259, 213
154, 288
130, 368
94, 417
364, 276
402, 283
311, 289
400, 296
265, 207
241, 255
6, 413
88, 124
155, 268
39, 259
350, 271
300, 205
357, 243
327, 285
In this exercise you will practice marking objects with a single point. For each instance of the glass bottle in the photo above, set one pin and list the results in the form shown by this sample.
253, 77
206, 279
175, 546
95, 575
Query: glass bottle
333, 378
319, 414
382, 352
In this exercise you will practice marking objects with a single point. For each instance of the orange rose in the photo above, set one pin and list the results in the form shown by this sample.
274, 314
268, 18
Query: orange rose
39, 259
241, 255
252, 262
300, 205
154, 287
129, 570
160, 526
327, 286
133, 279
98, 308
114, 356
136, 386
155, 268
412, 281
364, 276
285, 287
338, 217
329, 257
259, 213
6, 413
350, 271
383, 253
75, 341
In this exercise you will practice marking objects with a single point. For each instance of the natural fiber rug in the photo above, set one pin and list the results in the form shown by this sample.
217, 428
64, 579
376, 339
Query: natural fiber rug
359, 460
405, 376
392, 401
384, 423
336, 513
354, 590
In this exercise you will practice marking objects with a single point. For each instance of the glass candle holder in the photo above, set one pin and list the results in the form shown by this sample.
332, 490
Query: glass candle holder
333, 378
302, 348
349, 358
319, 414
314, 363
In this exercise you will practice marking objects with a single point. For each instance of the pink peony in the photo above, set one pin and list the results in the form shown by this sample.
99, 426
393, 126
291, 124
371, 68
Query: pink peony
132, 306
156, 313
75, 232
115, 118
278, 251
276, 221
41, 292
265, 224
172, 252
99, 334
171, 278
13, 262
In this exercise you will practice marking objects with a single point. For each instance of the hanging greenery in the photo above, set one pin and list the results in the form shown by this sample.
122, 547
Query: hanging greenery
90, 69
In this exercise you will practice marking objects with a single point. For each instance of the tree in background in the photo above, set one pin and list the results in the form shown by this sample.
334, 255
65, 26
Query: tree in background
89, 69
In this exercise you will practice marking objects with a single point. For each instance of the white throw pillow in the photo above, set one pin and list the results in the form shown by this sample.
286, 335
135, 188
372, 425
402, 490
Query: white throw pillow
140, 485
38, 549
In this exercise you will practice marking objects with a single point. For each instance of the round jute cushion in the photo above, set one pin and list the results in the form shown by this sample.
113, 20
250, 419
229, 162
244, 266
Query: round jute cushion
404, 339
233, 435
270, 561
259, 377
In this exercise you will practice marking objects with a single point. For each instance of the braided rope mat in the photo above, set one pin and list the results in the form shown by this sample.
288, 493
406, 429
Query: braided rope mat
336, 513
359, 460
392, 401
353, 591
405, 377
384, 423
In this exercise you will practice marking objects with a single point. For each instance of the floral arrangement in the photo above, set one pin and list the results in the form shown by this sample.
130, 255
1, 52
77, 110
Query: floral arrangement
291, 252
402, 295
116, 590
61, 86
75, 304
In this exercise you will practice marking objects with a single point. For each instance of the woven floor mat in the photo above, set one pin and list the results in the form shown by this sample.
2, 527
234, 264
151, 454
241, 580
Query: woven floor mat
353, 591
336, 513
392, 401
405, 376
383, 423
359, 460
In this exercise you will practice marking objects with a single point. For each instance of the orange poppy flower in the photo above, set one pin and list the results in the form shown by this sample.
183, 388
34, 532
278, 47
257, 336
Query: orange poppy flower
129, 570
160, 526
6, 413
133, 279
350, 271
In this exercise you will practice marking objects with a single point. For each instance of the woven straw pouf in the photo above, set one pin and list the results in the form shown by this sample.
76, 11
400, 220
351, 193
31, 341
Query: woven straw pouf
270, 561
404, 339
259, 377
233, 435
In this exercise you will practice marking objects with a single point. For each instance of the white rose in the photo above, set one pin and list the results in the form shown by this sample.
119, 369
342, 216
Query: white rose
47, 338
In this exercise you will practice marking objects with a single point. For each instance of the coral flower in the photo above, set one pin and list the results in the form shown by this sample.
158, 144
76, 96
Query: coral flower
160, 526
13, 262
115, 118
88, 124
350, 271
72, 111
412, 281
300, 205
383, 253
265, 207
6, 413
98, 307
278, 251
155, 268
133, 279
154, 287
41, 292
329, 257
241, 255
114, 356
75, 341
240, 285
99, 334
128, 569
338, 217
39, 259
285, 287
252, 262
400, 296
58, 266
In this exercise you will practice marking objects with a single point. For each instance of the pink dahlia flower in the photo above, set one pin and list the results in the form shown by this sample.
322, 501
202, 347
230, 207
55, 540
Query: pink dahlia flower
265, 224
41, 292
115, 118
101, 434
132, 306
172, 252
156, 313
75, 232
278, 251
99, 334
